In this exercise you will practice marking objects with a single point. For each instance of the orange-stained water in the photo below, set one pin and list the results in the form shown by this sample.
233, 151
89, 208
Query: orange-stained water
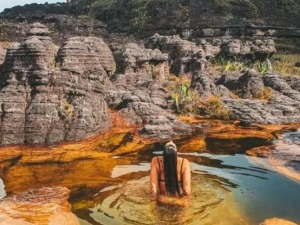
109, 182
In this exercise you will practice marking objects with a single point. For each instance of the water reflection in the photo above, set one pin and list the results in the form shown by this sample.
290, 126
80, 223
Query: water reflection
131, 204
227, 189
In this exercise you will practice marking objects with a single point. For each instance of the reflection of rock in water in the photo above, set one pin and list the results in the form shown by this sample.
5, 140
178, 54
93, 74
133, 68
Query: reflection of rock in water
293, 137
288, 150
210, 203
283, 156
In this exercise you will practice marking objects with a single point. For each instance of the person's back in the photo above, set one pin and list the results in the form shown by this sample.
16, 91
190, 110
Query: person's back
170, 175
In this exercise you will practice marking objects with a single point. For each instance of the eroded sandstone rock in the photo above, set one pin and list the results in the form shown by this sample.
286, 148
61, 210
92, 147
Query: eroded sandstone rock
47, 97
247, 85
293, 81
185, 56
259, 49
139, 92
2, 54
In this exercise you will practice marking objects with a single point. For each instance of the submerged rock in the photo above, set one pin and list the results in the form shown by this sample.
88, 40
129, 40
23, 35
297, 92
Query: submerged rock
44, 206
277, 221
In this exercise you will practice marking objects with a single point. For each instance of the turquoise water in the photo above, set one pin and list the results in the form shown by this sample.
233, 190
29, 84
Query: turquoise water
261, 193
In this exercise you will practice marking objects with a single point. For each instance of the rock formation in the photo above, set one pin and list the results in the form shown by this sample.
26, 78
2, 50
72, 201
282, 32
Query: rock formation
44, 206
257, 49
250, 96
281, 107
185, 56
49, 96
140, 96
2, 54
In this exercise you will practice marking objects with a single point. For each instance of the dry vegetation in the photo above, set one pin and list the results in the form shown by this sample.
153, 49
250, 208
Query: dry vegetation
186, 100
284, 63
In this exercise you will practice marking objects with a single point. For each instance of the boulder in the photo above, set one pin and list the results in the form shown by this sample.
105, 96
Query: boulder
249, 85
132, 58
280, 109
204, 85
185, 56
293, 81
279, 83
38, 29
268, 99
259, 49
158, 123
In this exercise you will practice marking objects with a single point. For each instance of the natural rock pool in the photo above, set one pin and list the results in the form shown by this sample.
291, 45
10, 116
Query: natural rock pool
229, 187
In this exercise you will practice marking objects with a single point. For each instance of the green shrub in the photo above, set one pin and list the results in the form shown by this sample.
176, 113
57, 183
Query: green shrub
224, 65
262, 67
234, 66
185, 99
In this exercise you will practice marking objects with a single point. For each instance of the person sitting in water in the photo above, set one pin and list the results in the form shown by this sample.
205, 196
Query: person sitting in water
170, 175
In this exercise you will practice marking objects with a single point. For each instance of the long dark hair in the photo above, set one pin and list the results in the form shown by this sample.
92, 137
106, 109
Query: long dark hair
170, 170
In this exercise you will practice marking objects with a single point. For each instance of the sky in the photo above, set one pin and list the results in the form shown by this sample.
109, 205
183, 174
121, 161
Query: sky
11, 3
